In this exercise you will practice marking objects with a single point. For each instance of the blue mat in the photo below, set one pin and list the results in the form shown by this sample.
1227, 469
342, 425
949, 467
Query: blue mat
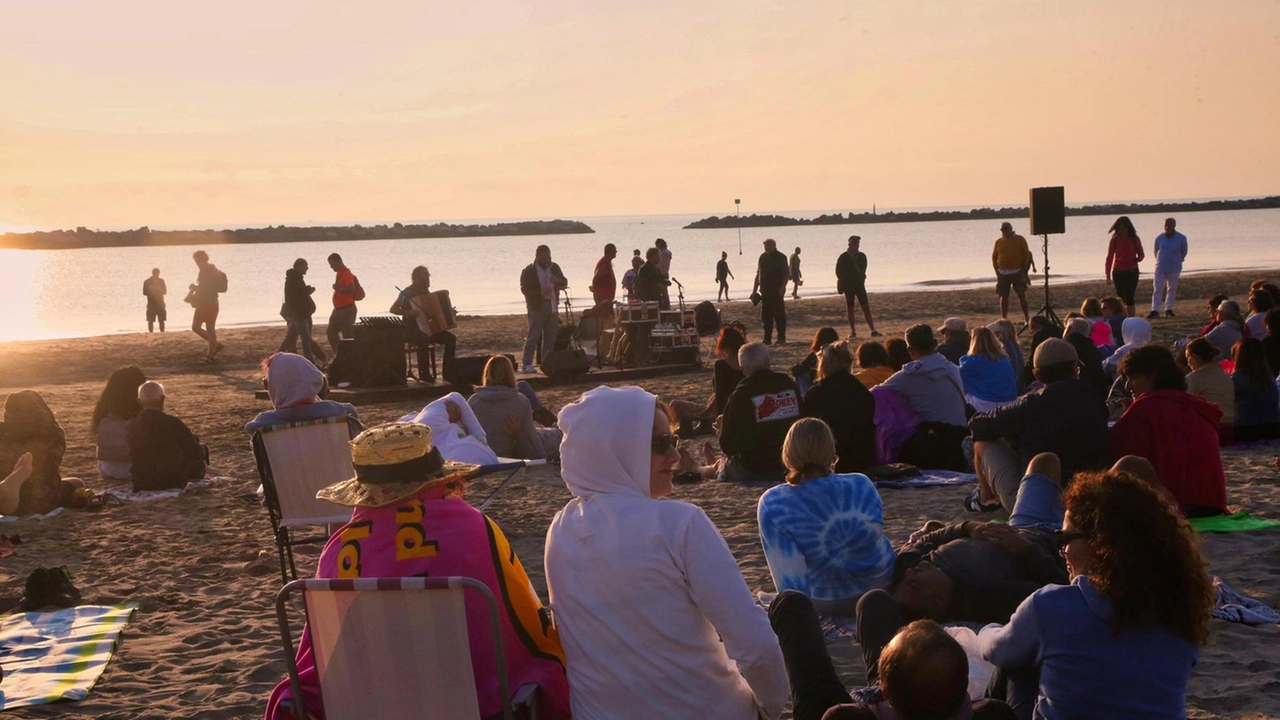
930, 478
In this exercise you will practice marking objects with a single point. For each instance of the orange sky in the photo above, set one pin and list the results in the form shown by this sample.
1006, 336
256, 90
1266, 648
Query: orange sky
173, 113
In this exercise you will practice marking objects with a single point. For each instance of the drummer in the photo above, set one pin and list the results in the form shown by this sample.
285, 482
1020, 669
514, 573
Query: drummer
420, 328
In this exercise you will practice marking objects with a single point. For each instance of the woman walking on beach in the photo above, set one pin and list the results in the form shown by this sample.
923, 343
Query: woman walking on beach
1123, 255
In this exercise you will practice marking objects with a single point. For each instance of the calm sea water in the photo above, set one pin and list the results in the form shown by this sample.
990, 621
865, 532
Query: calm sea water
65, 293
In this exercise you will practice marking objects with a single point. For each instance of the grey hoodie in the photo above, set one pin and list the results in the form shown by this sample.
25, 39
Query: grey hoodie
492, 404
933, 389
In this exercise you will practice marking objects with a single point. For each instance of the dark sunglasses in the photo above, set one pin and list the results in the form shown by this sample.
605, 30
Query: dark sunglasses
1065, 537
662, 443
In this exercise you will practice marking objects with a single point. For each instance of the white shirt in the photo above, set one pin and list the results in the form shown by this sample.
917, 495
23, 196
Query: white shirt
544, 279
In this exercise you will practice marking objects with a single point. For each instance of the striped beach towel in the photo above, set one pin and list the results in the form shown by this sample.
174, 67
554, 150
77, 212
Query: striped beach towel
52, 656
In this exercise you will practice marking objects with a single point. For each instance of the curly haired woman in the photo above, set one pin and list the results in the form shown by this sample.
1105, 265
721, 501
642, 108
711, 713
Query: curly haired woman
1121, 639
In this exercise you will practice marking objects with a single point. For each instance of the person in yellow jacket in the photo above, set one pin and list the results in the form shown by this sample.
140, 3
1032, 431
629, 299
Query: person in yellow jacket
1011, 258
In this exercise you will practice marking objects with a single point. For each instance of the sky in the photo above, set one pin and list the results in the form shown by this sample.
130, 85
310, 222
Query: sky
176, 113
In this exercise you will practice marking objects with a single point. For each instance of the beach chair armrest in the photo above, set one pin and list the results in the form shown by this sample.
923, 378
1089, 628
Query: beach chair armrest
524, 703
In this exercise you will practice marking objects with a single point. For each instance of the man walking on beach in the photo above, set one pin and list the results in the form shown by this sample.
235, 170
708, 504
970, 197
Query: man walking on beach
771, 286
851, 281
346, 291
1171, 250
154, 288
203, 296
540, 283
722, 276
795, 274
1011, 258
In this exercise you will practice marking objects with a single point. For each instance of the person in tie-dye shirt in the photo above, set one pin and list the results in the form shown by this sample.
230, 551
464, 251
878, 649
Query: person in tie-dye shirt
823, 533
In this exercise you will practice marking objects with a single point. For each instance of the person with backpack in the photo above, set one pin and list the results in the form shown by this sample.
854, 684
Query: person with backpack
203, 296
346, 293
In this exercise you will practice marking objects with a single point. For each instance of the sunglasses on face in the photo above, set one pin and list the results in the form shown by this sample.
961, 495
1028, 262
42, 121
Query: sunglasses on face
1063, 538
662, 443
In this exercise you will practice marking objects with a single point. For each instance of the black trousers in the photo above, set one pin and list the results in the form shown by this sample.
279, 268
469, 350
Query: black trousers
443, 338
773, 309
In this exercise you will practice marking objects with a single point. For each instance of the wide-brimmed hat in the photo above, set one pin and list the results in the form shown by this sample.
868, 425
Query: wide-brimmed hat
392, 462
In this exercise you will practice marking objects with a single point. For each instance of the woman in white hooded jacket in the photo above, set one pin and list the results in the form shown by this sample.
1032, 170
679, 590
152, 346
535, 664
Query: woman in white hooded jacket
654, 615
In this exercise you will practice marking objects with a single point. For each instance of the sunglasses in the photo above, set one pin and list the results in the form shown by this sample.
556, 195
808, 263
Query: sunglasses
1063, 538
662, 443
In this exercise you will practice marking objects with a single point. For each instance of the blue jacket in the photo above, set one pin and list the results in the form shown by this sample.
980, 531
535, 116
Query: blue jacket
989, 378
1086, 670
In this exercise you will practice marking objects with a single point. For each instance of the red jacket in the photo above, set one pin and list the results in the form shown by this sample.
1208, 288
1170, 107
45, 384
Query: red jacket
1178, 433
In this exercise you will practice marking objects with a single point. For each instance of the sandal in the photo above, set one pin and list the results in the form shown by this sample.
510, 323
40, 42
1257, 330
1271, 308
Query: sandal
974, 503
207, 360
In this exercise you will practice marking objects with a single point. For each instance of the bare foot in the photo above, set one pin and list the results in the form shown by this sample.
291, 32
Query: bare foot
708, 453
11, 486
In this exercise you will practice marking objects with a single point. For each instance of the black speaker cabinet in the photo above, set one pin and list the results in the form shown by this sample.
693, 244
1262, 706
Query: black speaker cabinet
563, 363
377, 364
1048, 211
470, 368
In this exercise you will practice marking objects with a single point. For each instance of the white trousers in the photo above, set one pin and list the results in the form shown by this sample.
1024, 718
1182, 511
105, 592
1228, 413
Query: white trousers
1166, 285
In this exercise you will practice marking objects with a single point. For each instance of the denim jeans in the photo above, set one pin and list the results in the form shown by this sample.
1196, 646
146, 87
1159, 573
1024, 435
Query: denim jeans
299, 329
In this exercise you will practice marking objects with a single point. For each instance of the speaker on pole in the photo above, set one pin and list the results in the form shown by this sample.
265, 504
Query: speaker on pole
1048, 211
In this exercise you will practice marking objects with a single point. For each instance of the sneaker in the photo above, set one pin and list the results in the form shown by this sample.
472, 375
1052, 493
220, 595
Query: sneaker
528, 369
974, 504
1168, 313
1153, 315
876, 333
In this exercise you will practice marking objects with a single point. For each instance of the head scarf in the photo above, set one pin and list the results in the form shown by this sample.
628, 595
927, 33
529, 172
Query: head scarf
27, 415
293, 380
607, 441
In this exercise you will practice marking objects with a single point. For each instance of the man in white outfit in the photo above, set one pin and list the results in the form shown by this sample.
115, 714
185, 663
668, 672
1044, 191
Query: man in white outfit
1171, 250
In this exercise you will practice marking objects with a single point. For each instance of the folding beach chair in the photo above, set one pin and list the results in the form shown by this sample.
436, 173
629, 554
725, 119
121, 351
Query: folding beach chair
396, 647
295, 460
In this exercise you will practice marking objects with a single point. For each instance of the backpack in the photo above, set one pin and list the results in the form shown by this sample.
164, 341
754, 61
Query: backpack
357, 291
221, 284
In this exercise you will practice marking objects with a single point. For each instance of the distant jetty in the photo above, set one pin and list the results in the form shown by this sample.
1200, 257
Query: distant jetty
734, 221
86, 238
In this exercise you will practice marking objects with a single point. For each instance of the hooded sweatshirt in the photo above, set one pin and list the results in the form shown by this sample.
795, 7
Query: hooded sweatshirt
932, 387
654, 615
1087, 670
294, 385
1136, 332
492, 405
1178, 433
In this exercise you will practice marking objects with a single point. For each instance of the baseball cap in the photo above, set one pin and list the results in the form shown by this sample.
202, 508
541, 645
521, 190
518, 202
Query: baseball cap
952, 323
1054, 351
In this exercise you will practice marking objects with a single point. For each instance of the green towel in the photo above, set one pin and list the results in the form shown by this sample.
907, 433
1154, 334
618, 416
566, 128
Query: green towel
1238, 522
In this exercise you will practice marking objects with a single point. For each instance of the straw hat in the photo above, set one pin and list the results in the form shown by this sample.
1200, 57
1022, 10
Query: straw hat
392, 462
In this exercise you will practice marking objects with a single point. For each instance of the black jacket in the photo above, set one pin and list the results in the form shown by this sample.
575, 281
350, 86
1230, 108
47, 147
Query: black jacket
297, 295
1067, 418
163, 452
851, 272
774, 273
532, 289
846, 405
756, 420
1090, 363
650, 284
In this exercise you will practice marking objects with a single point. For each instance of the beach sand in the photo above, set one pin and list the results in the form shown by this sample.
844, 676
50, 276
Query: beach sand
204, 641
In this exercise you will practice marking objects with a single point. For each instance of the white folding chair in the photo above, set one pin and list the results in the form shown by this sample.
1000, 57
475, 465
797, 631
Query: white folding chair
396, 647
295, 460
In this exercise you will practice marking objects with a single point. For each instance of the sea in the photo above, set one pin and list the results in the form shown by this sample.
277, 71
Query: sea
98, 291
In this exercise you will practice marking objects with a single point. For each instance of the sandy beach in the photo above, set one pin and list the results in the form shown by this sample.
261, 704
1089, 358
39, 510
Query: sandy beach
204, 642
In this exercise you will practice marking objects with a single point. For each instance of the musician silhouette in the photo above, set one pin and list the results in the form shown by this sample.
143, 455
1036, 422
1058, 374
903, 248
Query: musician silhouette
541, 282
420, 327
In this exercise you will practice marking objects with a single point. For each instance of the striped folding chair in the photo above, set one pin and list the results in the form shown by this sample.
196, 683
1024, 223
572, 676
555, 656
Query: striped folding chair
396, 647
295, 460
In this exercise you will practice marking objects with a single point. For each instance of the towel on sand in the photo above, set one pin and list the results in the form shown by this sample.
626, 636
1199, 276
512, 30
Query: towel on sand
125, 493
1239, 522
1234, 607
51, 656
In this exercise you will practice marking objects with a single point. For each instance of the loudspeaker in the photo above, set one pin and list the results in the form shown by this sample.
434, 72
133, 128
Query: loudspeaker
561, 363
1048, 211
373, 364
470, 369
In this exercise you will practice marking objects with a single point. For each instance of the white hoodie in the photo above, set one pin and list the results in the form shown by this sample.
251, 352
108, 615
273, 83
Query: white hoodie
655, 618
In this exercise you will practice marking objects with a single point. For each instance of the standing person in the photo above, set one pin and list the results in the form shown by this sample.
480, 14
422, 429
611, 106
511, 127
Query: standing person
1171, 250
722, 275
1011, 258
664, 264
851, 281
794, 268
297, 310
771, 285
154, 288
629, 278
541, 282
421, 328
203, 296
604, 286
1123, 255
346, 292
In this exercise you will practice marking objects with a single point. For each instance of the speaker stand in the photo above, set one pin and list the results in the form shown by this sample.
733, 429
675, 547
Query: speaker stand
1047, 309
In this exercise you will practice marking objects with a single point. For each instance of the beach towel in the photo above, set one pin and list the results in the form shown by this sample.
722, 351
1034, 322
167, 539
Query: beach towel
52, 656
1239, 522
895, 423
1234, 607
930, 478
14, 518
126, 493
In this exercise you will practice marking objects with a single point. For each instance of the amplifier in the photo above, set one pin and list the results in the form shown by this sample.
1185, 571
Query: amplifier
369, 363
470, 368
